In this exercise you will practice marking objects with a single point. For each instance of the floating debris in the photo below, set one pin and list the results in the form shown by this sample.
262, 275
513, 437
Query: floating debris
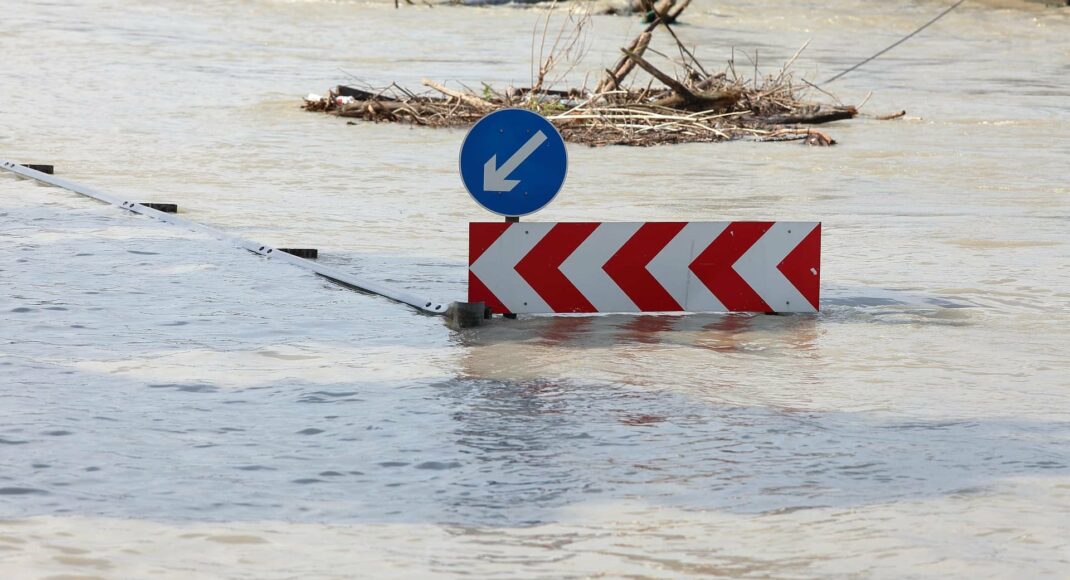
696, 107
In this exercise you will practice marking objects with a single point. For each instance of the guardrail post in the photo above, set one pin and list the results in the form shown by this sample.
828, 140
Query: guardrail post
466, 314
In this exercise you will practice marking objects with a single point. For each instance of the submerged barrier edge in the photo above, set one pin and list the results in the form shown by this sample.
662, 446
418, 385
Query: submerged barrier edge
420, 304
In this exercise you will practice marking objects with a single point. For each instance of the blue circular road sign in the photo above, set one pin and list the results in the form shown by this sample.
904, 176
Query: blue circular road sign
513, 162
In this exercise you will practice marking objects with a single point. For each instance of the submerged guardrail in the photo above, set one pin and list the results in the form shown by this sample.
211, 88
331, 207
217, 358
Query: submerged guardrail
463, 314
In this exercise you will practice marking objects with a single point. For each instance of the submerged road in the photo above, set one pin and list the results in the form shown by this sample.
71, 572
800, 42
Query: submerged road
172, 409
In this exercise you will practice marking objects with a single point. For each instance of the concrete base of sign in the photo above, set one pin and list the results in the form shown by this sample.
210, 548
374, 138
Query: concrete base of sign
466, 314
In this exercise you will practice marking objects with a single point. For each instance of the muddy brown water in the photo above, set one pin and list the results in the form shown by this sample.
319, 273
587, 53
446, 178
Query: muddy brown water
170, 407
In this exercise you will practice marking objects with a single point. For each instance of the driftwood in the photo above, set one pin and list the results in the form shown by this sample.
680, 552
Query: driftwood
817, 117
675, 10
899, 114
693, 106
362, 95
717, 101
611, 81
467, 99
625, 64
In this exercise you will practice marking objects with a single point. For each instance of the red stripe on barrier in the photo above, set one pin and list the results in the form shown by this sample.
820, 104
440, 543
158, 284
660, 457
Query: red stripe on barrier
627, 267
713, 267
540, 268
802, 267
478, 292
481, 235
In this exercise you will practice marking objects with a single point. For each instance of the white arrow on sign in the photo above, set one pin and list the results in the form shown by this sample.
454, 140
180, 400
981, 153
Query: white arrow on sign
494, 177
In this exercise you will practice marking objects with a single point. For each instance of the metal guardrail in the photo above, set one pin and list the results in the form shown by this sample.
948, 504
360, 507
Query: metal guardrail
371, 287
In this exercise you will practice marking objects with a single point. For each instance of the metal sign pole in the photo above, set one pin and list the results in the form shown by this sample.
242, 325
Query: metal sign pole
513, 162
511, 219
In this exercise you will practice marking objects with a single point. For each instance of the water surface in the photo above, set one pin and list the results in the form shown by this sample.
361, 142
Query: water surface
173, 407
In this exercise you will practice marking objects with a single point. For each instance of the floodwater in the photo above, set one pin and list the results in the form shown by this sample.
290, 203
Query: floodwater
174, 407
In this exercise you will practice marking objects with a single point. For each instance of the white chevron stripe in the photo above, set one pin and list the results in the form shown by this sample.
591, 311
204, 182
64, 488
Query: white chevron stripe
584, 267
758, 266
670, 267
496, 268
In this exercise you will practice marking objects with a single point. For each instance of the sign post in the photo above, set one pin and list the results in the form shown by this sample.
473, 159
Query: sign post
513, 162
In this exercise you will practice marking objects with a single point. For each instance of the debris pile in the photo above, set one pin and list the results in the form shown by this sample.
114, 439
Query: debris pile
696, 106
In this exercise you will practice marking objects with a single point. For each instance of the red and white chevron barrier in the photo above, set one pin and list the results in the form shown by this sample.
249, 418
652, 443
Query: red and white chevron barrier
645, 267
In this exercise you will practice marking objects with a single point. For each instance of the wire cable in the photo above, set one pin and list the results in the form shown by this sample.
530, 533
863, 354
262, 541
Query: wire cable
898, 42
